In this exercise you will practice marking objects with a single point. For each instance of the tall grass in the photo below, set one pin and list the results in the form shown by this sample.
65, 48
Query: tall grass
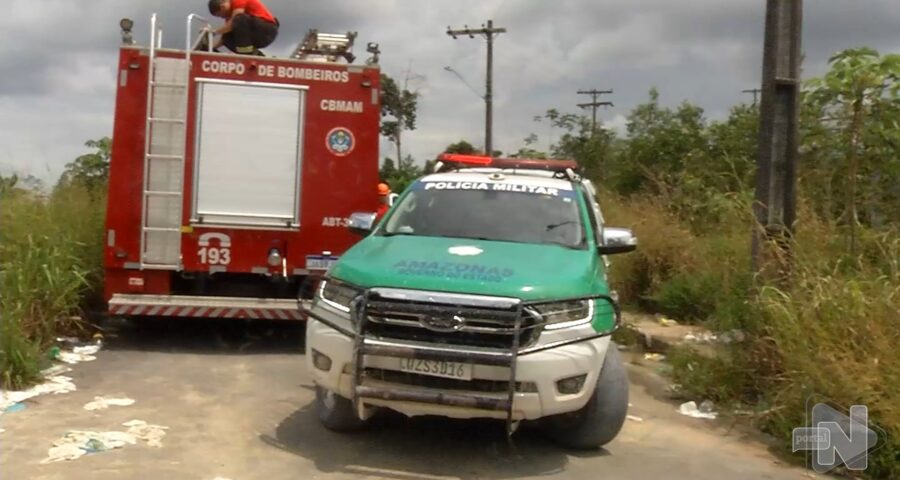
831, 330
50, 258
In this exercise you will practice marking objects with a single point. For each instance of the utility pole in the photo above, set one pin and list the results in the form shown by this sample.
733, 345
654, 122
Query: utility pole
755, 92
594, 104
489, 32
776, 176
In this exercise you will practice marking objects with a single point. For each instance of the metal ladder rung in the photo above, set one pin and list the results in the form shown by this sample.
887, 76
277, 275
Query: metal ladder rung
162, 194
159, 156
166, 120
162, 229
168, 84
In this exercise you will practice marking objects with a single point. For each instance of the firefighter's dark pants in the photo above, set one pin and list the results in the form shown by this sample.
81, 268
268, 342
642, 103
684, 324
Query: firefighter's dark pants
248, 34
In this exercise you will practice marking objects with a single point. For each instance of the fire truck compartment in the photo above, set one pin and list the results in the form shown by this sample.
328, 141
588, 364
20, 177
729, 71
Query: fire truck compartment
248, 159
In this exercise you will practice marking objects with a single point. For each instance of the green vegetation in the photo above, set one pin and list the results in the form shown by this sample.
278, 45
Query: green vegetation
685, 185
50, 262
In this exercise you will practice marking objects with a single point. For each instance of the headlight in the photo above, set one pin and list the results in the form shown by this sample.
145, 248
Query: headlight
337, 295
565, 314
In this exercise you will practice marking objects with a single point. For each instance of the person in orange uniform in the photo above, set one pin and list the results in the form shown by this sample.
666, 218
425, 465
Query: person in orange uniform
249, 25
384, 195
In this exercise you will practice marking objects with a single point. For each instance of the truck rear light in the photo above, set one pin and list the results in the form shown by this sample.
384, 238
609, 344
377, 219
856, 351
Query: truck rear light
274, 259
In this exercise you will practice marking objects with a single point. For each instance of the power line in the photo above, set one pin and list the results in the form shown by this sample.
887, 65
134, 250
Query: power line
489, 32
594, 104
473, 89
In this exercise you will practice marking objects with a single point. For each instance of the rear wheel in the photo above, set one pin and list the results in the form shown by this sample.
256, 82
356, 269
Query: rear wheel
336, 412
598, 422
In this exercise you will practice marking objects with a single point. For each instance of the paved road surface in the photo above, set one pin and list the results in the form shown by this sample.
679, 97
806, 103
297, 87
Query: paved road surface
239, 406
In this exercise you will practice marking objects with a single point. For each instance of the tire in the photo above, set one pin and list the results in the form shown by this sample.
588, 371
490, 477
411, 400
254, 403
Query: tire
598, 422
336, 412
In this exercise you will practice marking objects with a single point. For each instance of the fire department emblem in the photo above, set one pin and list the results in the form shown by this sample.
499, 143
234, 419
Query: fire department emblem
340, 142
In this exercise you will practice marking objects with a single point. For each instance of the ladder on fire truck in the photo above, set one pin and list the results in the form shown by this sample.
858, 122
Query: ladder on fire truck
164, 153
325, 47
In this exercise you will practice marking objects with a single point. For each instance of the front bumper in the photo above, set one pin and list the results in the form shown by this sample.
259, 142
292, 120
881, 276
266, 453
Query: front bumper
536, 374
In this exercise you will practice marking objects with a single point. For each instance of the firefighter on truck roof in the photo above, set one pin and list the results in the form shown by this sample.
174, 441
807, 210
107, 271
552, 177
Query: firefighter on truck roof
249, 25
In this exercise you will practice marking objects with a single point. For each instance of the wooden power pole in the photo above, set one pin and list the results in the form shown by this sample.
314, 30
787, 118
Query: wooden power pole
594, 104
489, 32
776, 176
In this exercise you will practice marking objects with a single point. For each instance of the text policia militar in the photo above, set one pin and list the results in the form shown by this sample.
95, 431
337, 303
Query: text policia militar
496, 187
281, 72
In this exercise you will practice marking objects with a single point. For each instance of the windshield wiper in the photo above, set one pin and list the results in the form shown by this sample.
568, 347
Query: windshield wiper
557, 225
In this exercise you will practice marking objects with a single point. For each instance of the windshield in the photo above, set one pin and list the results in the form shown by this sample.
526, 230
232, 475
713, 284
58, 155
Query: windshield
489, 211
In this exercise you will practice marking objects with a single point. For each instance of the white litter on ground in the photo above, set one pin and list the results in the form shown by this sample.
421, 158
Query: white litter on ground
634, 418
76, 443
654, 357
691, 409
55, 385
102, 403
72, 358
152, 434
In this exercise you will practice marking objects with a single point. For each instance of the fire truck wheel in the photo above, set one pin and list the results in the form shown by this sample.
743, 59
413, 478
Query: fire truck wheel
598, 422
336, 412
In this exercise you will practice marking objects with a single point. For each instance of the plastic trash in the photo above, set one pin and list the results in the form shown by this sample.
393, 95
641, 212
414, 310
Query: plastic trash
707, 406
55, 370
690, 409
75, 444
634, 418
55, 385
102, 403
152, 434
72, 357
654, 357
16, 407
667, 322
86, 350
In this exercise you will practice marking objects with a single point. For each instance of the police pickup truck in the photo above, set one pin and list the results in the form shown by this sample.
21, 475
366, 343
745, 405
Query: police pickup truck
483, 293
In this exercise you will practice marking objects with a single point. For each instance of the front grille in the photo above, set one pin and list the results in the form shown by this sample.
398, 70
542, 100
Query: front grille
425, 381
421, 321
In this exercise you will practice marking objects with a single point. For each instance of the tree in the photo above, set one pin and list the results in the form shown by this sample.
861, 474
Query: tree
461, 147
90, 170
402, 175
857, 100
398, 109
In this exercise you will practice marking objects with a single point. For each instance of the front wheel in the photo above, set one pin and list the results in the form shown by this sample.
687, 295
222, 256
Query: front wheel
336, 412
598, 422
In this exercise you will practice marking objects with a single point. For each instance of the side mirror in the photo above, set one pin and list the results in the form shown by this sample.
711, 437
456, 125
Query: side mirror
617, 240
361, 223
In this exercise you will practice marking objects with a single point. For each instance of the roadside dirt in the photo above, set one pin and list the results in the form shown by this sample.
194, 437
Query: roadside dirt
238, 404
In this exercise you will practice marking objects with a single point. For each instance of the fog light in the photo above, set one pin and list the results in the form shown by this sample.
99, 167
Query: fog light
274, 258
571, 385
321, 361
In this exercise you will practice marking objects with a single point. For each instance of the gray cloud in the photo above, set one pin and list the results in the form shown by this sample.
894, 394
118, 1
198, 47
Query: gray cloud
57, 67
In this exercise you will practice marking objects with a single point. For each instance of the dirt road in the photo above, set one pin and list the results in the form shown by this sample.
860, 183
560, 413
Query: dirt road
238, 404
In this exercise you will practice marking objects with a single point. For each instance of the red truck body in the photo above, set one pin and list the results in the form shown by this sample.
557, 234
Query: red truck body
232, 178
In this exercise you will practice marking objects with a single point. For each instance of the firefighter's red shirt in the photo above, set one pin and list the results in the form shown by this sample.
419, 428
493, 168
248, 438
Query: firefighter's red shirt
382, 210
254, 8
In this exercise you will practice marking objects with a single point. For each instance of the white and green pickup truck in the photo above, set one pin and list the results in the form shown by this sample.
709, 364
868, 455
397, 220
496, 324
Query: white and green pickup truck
483, 293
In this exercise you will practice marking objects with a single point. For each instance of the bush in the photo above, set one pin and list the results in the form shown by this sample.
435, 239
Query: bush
50, 258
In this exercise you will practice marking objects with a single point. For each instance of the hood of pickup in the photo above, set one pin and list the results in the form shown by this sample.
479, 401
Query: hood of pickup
479, 267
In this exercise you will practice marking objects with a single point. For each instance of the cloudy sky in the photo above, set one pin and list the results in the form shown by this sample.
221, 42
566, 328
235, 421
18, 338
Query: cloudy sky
57, 59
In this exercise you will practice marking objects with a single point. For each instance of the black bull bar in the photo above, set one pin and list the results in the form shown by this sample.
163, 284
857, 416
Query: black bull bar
524, 317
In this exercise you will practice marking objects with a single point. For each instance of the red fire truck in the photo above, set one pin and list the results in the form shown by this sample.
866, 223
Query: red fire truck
232, 177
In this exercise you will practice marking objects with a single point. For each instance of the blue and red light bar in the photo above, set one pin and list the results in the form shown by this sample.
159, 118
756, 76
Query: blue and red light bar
484, 161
